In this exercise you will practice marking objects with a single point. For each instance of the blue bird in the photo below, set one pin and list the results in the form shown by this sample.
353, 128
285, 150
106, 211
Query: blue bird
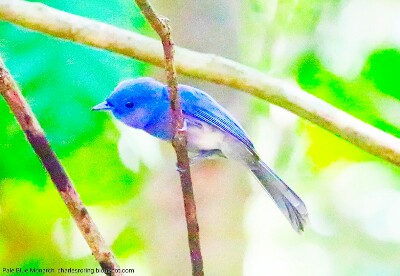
143, 103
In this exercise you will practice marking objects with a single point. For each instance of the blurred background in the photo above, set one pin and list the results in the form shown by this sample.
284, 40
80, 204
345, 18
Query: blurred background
346, 52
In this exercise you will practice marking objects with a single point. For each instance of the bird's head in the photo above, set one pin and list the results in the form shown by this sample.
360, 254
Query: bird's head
132, 100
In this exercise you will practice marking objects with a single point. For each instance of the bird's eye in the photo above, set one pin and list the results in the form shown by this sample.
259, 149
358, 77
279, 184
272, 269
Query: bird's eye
129, 105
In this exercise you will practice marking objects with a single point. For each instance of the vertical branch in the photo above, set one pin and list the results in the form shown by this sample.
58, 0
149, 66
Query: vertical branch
161, 26
36, 137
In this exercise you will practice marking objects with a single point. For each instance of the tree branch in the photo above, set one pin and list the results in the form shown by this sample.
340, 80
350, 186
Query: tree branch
208, 67
36, 137
161, 26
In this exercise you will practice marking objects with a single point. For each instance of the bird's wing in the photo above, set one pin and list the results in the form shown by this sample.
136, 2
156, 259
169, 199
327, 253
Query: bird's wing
200, 105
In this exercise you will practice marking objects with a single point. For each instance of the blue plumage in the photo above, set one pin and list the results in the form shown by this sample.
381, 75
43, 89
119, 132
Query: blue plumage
200, 105
143, 103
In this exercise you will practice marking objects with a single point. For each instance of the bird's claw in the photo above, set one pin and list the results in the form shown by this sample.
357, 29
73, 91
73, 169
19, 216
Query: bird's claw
184, 127
179, 169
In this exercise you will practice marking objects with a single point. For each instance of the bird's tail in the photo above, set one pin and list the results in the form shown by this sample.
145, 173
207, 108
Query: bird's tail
288, 202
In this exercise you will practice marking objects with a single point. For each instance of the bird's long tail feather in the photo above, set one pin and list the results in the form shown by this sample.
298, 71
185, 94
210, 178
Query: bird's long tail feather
288, 202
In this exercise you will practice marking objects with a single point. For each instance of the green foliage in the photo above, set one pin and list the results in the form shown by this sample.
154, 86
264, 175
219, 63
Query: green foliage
361, 97
27, 218
115, 184
128, 242
383, 69
62, 81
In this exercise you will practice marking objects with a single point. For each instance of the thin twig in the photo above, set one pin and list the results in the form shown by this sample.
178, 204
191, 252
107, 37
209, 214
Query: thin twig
36, 137
161, 26
208, 67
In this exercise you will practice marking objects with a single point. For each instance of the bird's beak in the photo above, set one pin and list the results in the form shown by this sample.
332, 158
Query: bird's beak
102, 106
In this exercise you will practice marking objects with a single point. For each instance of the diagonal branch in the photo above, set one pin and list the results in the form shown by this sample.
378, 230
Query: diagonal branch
161, 26
36, 137
208, 67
